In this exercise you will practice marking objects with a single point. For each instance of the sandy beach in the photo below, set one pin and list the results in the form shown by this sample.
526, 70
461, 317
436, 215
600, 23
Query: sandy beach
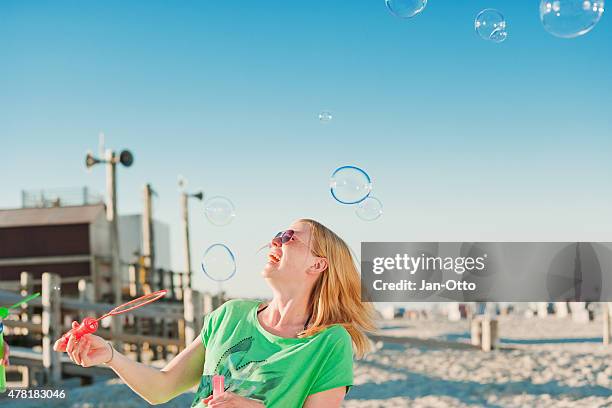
546, 362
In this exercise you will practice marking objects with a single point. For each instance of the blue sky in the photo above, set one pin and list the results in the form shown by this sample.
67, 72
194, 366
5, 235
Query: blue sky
464, 139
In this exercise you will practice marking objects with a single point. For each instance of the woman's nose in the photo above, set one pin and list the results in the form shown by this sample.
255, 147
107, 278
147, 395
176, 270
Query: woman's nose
276, 242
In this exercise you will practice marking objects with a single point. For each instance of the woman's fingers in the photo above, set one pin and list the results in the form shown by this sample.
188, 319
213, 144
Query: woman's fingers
85, 360
59, 345
71, 343
223, 400
78, 351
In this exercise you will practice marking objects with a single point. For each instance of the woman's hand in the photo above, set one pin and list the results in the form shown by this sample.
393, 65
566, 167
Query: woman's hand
231, 400
5, 359
87, 351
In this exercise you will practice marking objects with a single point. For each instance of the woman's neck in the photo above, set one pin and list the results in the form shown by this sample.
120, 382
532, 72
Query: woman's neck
286, 312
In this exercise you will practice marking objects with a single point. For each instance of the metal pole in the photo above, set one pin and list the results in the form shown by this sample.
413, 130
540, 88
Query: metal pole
111, 216
187, 252
147, 234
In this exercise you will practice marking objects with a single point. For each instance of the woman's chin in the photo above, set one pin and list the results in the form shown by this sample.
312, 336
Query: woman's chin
269, 269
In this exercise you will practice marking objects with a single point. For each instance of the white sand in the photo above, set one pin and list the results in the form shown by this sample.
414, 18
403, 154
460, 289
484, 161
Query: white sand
557, 374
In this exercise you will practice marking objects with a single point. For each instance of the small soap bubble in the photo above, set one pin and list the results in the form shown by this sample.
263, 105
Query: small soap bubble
490, 25
219, 210
405, 8
218, 262
570, 18
350, 185
325, 116
369, 209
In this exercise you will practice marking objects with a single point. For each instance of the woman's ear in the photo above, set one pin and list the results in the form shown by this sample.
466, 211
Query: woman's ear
320, 265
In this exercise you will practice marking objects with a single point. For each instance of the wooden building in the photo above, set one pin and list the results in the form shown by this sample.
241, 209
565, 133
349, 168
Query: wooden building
73, 242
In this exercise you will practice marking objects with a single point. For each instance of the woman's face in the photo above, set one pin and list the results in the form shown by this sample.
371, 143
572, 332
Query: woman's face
292, 261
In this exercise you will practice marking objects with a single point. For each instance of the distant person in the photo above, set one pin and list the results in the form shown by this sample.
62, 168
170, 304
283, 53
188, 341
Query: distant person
295, 351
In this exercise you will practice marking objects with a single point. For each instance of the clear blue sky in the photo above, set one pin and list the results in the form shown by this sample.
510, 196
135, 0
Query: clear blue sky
465, 139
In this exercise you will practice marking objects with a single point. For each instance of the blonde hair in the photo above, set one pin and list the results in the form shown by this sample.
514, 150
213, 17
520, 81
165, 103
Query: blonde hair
336, 296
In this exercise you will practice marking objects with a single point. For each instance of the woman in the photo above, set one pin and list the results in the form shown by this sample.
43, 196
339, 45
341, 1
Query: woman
295, 351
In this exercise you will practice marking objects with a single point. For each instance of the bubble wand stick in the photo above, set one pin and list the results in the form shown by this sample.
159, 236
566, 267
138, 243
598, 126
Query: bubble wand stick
90, 324
4, 312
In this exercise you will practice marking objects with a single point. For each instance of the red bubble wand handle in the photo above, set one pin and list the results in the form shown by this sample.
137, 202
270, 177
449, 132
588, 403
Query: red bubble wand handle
90, 324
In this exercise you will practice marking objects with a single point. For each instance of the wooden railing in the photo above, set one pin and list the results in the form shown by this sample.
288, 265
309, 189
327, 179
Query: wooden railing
170, 324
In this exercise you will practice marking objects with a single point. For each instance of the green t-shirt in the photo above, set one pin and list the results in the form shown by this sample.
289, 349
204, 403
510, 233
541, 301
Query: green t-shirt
278, 371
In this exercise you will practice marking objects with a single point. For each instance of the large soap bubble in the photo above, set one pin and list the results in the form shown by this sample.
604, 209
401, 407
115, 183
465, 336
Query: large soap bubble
490, 25
570, 18
218, 262
219, 210
406, 8
350, 185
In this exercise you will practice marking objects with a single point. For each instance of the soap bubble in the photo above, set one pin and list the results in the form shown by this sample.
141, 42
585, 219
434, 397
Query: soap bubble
369, 209
405, 8
325, 116
570, 18
350, 185
490, 25
218, 262
219, 210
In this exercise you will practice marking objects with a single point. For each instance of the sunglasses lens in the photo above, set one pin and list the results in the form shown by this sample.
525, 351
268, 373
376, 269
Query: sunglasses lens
287, 235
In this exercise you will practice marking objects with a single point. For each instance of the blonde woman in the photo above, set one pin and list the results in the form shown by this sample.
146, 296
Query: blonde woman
295, 351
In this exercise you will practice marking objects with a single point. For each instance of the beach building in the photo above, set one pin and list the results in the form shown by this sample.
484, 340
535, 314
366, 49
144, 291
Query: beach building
66, 232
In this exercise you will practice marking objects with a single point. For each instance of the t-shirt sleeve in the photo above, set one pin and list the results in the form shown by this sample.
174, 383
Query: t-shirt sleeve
337, 370
213, 320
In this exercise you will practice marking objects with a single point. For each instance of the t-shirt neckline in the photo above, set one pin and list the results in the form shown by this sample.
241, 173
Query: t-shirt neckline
273, 337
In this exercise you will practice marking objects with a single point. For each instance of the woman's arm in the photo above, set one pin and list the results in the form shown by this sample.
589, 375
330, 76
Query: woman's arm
155, 386
328, 399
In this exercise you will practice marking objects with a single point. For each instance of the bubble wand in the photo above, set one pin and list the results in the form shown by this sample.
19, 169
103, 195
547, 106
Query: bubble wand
89, 325
4, 312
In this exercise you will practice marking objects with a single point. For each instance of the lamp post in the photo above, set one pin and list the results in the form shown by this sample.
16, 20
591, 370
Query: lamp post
111, 159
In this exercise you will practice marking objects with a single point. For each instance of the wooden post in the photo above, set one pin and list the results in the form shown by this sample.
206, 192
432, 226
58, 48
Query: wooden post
171, 282
489, 333
476, 330
208, 303
86, 294
607, 311
26, 283
192, 302
51, 327
180, 285
133, 278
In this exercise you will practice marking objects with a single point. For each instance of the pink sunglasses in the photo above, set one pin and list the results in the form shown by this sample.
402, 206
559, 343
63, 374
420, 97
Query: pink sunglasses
283, 237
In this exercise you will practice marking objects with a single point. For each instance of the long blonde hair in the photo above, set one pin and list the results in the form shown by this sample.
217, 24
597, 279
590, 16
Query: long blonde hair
336, 296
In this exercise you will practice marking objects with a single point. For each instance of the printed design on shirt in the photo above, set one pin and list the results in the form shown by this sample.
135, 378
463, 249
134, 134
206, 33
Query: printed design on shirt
243, 376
